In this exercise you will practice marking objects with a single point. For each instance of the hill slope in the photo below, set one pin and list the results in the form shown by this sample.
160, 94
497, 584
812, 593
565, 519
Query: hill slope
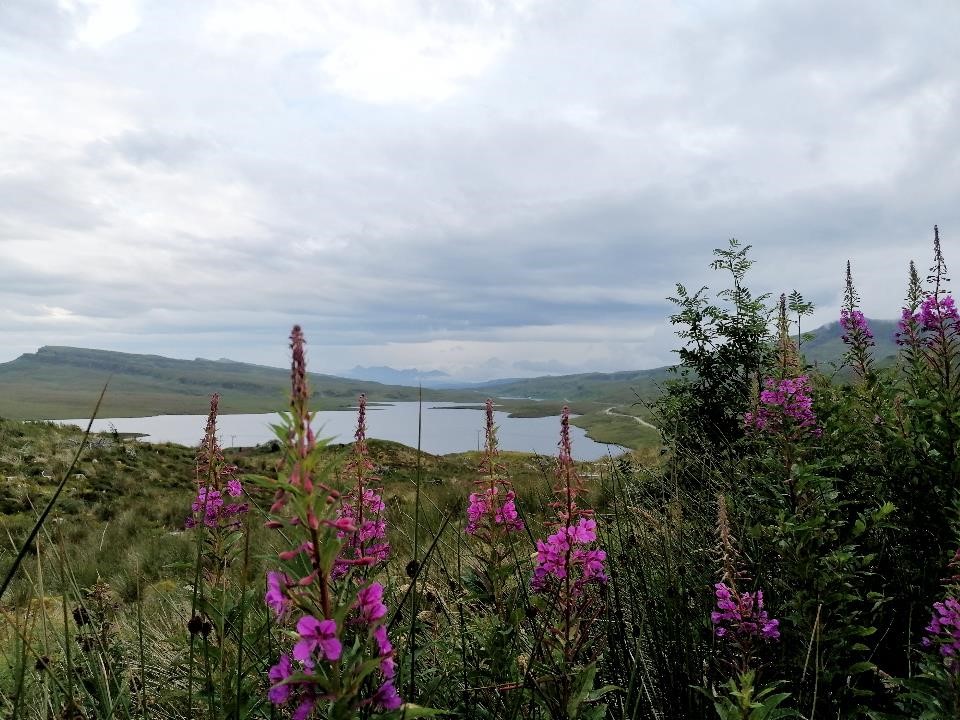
827, 345
62, 382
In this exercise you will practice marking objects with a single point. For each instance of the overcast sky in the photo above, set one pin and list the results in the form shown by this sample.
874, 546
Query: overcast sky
486, 187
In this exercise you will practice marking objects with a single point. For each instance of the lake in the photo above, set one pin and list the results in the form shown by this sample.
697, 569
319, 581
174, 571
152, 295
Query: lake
446, 429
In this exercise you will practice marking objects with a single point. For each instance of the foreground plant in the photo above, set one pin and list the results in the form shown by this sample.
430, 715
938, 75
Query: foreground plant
339, 658
742, 627
857, 335
492, 518
218, 608
362, 506
570, 578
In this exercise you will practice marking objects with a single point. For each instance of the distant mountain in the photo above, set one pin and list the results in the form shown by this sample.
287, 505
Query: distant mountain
411, 376
64, 382
827, 345
615, 387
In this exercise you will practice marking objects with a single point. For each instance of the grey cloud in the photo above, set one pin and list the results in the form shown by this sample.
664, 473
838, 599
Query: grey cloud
595, 163
142, 147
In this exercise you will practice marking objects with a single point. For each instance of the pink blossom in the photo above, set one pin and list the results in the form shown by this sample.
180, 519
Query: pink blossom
276, 595
280, 694
370, 603
387, 696
785, 406
317, 634
742, 615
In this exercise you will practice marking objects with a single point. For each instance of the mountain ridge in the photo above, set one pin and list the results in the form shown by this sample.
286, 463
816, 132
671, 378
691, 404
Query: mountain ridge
58, 382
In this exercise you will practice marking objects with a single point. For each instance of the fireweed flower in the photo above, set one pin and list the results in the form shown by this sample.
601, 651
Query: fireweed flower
568, 581
852, 322
786, 407
933, 314
334, 638
276, 596
936, 314
215, 480
944, 631
567, 552
493, 509
742, 615
567, 555
361, 514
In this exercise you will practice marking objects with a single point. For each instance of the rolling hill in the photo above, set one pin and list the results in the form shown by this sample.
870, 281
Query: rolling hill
64, 382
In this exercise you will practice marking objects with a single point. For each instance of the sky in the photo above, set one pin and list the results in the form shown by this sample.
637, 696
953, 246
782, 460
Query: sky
491, 188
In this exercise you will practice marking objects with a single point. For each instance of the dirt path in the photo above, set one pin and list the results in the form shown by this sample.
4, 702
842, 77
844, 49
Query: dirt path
641, 421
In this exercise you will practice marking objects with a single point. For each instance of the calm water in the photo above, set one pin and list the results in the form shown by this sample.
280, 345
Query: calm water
444, 430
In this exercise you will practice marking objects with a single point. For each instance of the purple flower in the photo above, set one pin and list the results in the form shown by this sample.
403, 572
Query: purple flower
563, 554
854, 323
316, 634
367, 542
934, 313
280, 694
234, 488
785, 406
209, 508
385, 647
475, 512
494, 506
276, 595
370, 603
306, 705
486, 504
944, 631
387, 696
742, 615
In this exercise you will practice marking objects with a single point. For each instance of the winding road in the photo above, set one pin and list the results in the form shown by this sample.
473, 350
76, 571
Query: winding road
641, 421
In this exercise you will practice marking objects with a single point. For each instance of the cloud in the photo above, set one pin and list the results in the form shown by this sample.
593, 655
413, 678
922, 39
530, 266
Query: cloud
379, 52
485, 188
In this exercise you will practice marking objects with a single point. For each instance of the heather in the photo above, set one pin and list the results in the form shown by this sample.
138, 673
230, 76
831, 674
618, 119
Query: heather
790, 550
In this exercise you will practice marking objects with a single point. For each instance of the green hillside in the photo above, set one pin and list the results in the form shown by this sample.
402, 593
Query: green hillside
63, 382
616, 387
827, 345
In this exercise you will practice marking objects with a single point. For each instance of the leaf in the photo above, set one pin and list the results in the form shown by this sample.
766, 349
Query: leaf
409, 710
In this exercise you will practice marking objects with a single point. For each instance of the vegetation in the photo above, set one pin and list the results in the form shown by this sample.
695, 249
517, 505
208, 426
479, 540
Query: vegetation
790, 552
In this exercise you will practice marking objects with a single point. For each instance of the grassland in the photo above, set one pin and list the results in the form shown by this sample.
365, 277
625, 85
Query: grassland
123, 509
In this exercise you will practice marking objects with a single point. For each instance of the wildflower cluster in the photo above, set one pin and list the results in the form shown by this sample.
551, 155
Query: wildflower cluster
569, 580
362, 507
341, 654
742, 615
215, 479
566, 554
319, 641
930, 318
210, 506
857, 335
786, 407
934, 313
495, 505
739, 619
852, 322
944, 632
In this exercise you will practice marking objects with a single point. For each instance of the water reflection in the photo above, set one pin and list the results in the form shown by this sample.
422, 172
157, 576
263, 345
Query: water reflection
446, 429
